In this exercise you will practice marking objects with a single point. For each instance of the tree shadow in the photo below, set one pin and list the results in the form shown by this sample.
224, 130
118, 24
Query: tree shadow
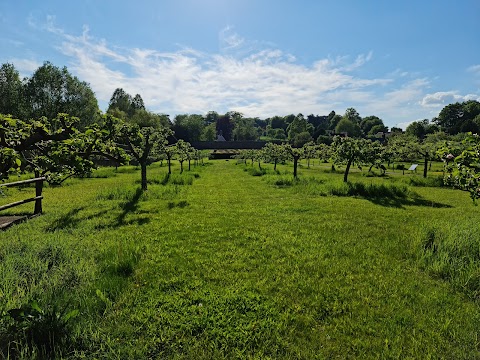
128, 207
68, 220
71, 219
402, 202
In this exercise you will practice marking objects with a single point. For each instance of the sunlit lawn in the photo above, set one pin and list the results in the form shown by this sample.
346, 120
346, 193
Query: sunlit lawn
234, 266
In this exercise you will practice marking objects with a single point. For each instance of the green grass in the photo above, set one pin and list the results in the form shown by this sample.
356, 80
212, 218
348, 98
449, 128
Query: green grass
230, 265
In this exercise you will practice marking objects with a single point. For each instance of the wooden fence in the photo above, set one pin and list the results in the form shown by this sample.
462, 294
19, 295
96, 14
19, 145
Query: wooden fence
38, 194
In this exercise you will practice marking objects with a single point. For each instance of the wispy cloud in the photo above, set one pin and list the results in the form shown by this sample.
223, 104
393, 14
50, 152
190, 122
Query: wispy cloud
441, 99
474, 69
255, 78
25, 66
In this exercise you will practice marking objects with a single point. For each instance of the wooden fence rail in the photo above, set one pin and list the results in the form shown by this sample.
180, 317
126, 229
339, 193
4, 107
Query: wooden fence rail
38, 194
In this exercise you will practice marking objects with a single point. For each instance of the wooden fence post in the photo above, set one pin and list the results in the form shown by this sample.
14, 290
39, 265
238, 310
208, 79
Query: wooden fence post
38, 194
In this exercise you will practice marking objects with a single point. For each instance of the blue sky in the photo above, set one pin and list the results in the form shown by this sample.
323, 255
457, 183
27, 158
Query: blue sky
400, 60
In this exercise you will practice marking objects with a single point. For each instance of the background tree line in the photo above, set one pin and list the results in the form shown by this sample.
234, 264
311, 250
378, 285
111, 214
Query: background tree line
52, 90
52, 124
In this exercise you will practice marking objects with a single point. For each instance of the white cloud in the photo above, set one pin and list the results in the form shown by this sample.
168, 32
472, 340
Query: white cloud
443, 98
263, 83
474, 69
25, 66
255, 78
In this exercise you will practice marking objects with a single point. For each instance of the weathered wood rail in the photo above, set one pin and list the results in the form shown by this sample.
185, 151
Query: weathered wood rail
6, 221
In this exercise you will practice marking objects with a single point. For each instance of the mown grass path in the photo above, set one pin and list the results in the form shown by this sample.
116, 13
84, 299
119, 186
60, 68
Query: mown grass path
248, 270
232, 267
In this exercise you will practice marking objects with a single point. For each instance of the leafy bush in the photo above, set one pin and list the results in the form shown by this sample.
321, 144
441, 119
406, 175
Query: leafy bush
33, 330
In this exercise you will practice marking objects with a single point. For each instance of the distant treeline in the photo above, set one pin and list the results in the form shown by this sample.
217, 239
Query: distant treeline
52, 90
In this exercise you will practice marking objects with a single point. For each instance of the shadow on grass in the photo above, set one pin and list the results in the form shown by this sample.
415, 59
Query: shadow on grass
181, 204
399, 202
71, 219
389, 195
129, 207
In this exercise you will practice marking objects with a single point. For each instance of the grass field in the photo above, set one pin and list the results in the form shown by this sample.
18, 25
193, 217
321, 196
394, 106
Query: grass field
217, 263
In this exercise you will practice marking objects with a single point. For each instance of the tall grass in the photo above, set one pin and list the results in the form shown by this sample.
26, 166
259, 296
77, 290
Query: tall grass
451, 251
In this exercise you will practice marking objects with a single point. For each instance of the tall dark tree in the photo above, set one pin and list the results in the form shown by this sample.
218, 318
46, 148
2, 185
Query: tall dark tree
120, 100
277, 122
136, 104
352, 115
52, 90
11, 91
225, 126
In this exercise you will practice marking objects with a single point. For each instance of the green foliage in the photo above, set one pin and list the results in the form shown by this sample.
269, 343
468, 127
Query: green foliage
244, 129
464, 171
297, 131
349, 151
459, 117
209, 133
349, 127
55, 148
12, 101
42, 331
191, 128
371, 125
51, 91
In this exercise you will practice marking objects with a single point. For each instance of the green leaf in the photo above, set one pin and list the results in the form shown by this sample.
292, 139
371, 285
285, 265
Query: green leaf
71, 315
34, 305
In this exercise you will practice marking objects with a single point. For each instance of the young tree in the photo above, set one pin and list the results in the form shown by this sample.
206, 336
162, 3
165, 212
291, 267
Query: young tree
183, 150
427, 148
310, 152
295, 154
143, 143
169, 151
349, 151
274, 153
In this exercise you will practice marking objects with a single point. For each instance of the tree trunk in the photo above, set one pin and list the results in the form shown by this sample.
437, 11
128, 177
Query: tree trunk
347, 169
169, 166
144, 175
295, 164
188, 164
275, 165
181, 167
425, 167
